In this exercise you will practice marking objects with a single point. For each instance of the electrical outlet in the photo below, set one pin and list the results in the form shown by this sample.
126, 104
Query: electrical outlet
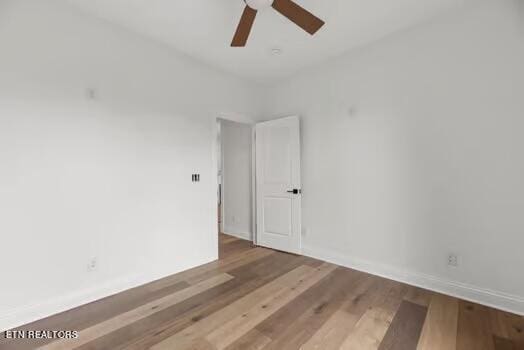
453, 260
92, 265
91, 93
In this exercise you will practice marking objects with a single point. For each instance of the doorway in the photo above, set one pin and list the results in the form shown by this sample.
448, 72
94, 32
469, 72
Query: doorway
234, 179
259, 192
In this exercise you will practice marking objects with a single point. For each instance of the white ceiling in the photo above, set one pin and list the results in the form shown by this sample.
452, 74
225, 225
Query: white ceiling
204, 28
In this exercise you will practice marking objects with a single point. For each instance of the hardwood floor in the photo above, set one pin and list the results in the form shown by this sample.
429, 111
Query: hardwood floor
256, 298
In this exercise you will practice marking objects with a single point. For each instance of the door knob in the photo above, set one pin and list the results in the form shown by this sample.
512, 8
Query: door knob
295, 191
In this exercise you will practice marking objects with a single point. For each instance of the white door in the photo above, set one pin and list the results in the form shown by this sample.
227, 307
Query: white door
278, 186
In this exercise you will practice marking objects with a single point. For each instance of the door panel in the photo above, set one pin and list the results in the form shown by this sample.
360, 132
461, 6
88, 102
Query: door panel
277, 158
277, 172
277, 212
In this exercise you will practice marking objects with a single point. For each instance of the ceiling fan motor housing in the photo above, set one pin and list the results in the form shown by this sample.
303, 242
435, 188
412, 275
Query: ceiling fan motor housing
259, 4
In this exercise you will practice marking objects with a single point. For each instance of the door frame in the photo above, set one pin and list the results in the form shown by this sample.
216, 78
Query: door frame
238, 118
241, 118
254, 184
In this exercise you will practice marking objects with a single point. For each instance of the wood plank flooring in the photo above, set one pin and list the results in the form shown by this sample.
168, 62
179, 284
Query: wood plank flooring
256, 298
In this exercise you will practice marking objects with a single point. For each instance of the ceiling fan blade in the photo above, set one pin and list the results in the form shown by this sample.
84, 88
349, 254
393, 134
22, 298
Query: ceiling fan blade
303, 18
244, 27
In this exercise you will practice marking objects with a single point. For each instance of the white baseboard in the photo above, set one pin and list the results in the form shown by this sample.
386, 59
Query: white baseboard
29, 313
10, 319
240, 235
491, 298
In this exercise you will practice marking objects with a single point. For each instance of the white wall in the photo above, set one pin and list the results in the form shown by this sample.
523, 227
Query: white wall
413, 149
236, 166
108, 177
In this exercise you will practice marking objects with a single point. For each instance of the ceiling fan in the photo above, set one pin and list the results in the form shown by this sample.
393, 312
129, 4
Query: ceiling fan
300, 16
